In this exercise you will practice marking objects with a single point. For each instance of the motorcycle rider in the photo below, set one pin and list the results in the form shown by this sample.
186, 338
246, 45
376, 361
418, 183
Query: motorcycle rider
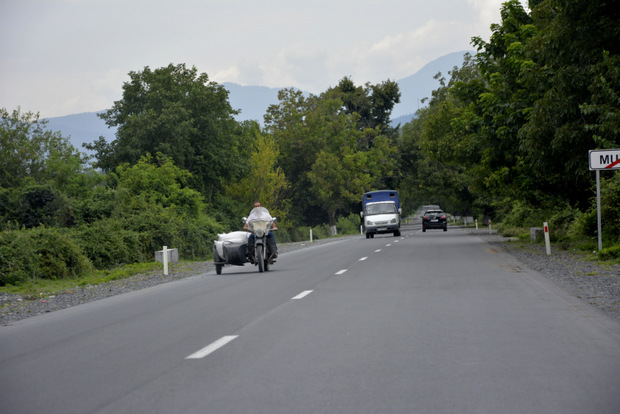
271, 238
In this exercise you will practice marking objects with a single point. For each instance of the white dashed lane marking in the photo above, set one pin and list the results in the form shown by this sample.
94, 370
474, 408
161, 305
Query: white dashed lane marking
212, 347
303, 294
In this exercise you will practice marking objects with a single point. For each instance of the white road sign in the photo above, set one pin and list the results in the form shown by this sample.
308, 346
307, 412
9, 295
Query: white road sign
605, 159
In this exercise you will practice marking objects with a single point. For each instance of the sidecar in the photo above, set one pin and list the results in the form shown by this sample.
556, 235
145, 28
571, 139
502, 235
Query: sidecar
230, 249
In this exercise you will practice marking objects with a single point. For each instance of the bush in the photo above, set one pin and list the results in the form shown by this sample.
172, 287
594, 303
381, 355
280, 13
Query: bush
610, 213
514, 232
609, 253
522, 215
32, 205
100, 204
160, 227
349, 225
107, 244
195, 237
18, 258
321, 232
45, 253
584, 225
292, 234
561, 221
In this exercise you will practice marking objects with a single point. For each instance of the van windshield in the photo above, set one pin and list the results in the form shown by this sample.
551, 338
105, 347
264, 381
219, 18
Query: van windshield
381, 208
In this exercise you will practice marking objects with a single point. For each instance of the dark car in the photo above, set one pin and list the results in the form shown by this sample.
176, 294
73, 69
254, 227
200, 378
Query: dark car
434, 219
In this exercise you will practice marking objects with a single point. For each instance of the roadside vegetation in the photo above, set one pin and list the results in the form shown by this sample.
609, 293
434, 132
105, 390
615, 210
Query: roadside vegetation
504, 137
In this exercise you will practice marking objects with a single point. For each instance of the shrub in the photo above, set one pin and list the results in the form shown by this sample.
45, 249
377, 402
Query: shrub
584, 225
99, 205
522, 215
107, 244
609, 253
41, 252
18, 258
195, 236
33, 204
349, 225
165, 227
561, 221
321, 232
610, 213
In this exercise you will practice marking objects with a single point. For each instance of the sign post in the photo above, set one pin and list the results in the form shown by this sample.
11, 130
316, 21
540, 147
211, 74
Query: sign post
602, 160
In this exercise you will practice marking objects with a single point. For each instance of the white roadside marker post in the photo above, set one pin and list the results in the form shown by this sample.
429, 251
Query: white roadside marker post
165, 260
547, 242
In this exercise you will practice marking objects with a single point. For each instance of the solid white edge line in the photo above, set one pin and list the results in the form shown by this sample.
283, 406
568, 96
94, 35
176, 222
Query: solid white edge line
341, 271
213, 347
363, 258
303, 294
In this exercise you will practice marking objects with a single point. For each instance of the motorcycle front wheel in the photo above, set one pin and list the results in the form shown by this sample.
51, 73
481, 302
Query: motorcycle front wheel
260, 258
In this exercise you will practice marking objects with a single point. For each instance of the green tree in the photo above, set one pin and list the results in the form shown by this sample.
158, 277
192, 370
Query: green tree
496, 104
265, 181
153, 198
321, 155
603, 107
152, 182
373, 105
433, 170
440, 148
574, 69
298, 148
28, 149
335, 179
177, 112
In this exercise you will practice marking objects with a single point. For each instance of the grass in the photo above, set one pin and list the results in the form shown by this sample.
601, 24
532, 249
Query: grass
46, 287
585, 249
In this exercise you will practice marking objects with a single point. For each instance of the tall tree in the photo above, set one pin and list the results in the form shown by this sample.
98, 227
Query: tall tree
298, 148
265, 181
497, 104
177, 112
439, 151
372, 103
321, 156
28, 149
575, 58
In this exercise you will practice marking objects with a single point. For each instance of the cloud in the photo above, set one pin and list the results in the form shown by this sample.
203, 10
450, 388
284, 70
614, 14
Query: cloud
315, 68
70, 56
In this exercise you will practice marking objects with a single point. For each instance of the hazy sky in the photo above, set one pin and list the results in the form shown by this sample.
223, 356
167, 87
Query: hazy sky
61, 57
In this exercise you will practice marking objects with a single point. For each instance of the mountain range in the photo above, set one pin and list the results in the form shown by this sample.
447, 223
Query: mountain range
253, 101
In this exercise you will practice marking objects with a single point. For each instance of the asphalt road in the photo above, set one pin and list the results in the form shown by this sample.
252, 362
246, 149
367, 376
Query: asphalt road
424, 323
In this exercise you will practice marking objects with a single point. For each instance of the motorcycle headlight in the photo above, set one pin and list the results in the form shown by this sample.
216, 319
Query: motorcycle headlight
260, 233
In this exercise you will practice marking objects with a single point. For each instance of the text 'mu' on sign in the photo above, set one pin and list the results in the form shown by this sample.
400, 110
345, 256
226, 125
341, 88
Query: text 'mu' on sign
605, 159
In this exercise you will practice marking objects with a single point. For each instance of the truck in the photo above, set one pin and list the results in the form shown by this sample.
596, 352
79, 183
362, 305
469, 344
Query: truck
380, 213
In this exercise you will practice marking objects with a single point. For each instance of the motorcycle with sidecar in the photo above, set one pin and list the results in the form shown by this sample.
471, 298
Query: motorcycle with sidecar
236, 248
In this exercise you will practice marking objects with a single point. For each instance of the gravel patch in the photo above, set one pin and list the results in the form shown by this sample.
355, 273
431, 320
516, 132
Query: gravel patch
596, 284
